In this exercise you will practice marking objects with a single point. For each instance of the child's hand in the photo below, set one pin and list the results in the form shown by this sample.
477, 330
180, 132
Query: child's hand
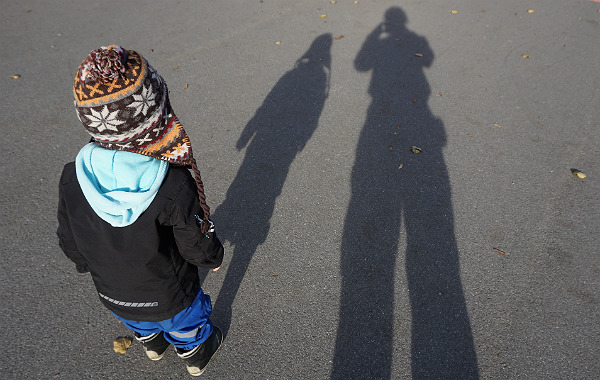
216, 269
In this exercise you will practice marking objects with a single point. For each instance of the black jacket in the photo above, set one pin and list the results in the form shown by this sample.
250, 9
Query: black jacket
146, 271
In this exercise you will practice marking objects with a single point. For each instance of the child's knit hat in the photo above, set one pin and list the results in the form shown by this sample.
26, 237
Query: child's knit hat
124, 104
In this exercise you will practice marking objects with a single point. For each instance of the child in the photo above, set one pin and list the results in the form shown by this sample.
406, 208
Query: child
131, 214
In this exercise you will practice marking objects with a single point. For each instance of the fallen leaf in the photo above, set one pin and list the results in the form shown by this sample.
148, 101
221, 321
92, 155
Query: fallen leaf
524, 56
151, 50
186, 86
15, 76
323, 16
277, 42
414, 100
415, 149
468, 135
401, 166
333, 1
175, 68
578, 173
497, 125
390, 147
339, 37
454, 12
440, 94
121, 345
418, 55
356, 2
499, 252
530, 11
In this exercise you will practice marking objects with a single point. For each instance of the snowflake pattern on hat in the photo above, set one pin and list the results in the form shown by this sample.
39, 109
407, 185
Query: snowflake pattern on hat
104, 120
143, 101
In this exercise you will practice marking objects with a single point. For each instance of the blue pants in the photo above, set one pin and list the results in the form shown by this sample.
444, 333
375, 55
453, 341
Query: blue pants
186, 330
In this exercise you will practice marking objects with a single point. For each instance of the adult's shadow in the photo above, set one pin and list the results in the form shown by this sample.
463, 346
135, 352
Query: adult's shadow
391, 185
278, 131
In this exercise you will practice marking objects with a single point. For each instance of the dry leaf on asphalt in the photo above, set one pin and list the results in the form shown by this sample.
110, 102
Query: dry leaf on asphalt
525, 56
339, 37
454, 12
578, 173
121, 345
415, 149
15, 76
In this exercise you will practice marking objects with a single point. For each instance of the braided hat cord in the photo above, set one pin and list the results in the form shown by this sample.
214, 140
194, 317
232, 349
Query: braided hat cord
204, 227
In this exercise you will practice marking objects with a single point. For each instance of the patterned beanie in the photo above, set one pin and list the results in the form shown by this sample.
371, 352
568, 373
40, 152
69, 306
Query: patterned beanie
124, 104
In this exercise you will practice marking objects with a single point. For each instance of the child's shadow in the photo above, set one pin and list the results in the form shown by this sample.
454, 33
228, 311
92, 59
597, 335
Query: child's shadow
278, 131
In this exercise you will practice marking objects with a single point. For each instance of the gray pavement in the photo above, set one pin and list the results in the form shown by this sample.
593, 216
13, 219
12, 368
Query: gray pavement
348, 256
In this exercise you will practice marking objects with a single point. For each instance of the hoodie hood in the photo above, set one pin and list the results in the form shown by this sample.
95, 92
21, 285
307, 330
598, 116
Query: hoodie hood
118, 185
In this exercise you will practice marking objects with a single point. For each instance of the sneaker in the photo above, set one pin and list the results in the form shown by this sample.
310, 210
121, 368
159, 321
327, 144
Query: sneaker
198, 358
155, 344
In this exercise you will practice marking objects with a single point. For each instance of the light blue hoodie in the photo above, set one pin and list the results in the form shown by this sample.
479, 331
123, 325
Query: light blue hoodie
118, 185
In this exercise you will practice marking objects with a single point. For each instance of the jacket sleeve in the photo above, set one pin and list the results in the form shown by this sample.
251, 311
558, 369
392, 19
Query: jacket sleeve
201, 250
65, 235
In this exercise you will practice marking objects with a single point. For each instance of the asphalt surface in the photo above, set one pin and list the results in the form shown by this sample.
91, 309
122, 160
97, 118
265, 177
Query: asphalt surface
348, 255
